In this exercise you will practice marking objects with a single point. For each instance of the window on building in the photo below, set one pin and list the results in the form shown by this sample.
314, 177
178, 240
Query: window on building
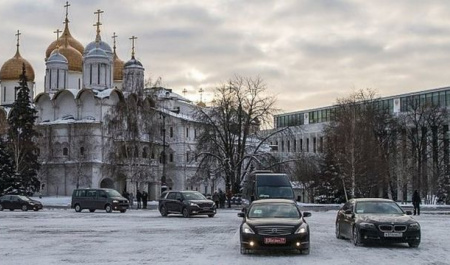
195, 133
295, 146
321, 145
187, 157
314, 145
144, 152
171, 157
187, 132
288, 146
301, 145
82, 151
153, 155
282, 146
90, 74
307, 144
65, 151
171, 131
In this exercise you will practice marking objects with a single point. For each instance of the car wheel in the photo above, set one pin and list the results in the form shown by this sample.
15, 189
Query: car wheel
122, 211
24, 208
108, 208
1, 207
211, 215
338, 231
163, 210
356, 237
77, 208
186, 213
35, 209
244, 250
91, 210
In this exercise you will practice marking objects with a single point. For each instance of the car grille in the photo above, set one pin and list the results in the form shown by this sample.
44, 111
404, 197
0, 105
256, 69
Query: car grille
205, 205
274, 230
392, 228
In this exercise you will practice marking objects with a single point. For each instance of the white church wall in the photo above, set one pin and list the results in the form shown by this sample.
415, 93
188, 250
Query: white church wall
74, 80
45, 109
89, 109
66, 106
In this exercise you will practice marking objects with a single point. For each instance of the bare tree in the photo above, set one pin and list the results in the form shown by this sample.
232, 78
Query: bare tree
228, 141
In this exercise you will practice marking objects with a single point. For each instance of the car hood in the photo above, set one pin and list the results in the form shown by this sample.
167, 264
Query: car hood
273, 221
201, 201
119, 198
385, 218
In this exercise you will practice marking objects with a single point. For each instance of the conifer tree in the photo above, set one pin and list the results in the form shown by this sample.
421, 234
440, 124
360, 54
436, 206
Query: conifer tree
22, 136
6, 167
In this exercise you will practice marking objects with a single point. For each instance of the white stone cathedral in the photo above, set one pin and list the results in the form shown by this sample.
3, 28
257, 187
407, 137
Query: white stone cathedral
82, 85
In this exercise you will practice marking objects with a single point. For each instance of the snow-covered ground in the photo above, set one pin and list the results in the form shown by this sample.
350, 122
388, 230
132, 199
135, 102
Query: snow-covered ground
62, 236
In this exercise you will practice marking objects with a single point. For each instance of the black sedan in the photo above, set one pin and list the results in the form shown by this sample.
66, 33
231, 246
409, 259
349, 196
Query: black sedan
274, 224
21, 202
376, 220
187, 203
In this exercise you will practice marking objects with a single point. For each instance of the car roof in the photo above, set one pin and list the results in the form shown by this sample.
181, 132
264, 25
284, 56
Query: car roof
266, 201
372, 200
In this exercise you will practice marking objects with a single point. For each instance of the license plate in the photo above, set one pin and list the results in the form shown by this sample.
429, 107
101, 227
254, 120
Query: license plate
393, 234
275, 240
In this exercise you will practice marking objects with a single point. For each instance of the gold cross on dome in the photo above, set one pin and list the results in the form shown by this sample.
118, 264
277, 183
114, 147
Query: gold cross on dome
18, 38
67, 9
114, 36
57, 37
133, 38
98, 12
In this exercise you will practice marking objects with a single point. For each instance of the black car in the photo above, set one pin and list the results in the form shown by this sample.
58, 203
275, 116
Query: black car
21, 202
376, 220
187, 203
274, 224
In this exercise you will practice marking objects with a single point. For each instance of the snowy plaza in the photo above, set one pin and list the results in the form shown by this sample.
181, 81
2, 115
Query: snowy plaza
62, 236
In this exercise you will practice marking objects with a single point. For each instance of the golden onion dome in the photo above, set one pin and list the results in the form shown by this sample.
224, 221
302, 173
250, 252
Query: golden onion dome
201, 104
12, 69
118, 68
61, 41
73, 56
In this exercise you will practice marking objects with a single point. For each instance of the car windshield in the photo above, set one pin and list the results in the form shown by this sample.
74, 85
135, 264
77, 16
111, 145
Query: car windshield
113, 193
378, 208
24, 198
193, 196
265, 192
274, 210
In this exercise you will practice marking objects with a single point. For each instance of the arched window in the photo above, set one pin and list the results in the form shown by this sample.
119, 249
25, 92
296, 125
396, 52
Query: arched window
82, 151
65, 151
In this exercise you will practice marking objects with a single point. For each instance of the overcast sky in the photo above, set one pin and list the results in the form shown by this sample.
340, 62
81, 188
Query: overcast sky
309, 53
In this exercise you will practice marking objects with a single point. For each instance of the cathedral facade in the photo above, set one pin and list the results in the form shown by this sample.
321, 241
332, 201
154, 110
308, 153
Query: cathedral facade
84, 87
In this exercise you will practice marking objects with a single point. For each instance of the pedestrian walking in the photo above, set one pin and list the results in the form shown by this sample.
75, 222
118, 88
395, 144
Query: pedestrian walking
215, 198
416, 202
131, 198
229, 196
138, 199
222, 198
144, 199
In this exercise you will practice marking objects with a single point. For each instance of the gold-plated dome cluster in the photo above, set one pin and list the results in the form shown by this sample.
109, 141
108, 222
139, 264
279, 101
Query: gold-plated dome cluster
118, 64
61, 42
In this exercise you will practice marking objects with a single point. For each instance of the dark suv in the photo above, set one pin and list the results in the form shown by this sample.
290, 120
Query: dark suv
187, 203
98, 199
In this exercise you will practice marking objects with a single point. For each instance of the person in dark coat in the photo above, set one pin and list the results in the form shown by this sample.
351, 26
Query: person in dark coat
138, 199
222, 198
416, 202
144, 199
216, 198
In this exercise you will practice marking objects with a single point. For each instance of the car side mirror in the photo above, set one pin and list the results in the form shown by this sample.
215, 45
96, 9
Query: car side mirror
306, 214
241, 214
408, 213
179, 199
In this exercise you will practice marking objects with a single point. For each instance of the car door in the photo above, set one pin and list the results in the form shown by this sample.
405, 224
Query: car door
102, 199
15, 202
178, 202
6, 202
171, 201
346, 219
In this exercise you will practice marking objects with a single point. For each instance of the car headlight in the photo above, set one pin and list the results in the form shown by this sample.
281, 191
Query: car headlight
414, 226
193, 204
303, 229
115, 201
246, 229
367, 225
